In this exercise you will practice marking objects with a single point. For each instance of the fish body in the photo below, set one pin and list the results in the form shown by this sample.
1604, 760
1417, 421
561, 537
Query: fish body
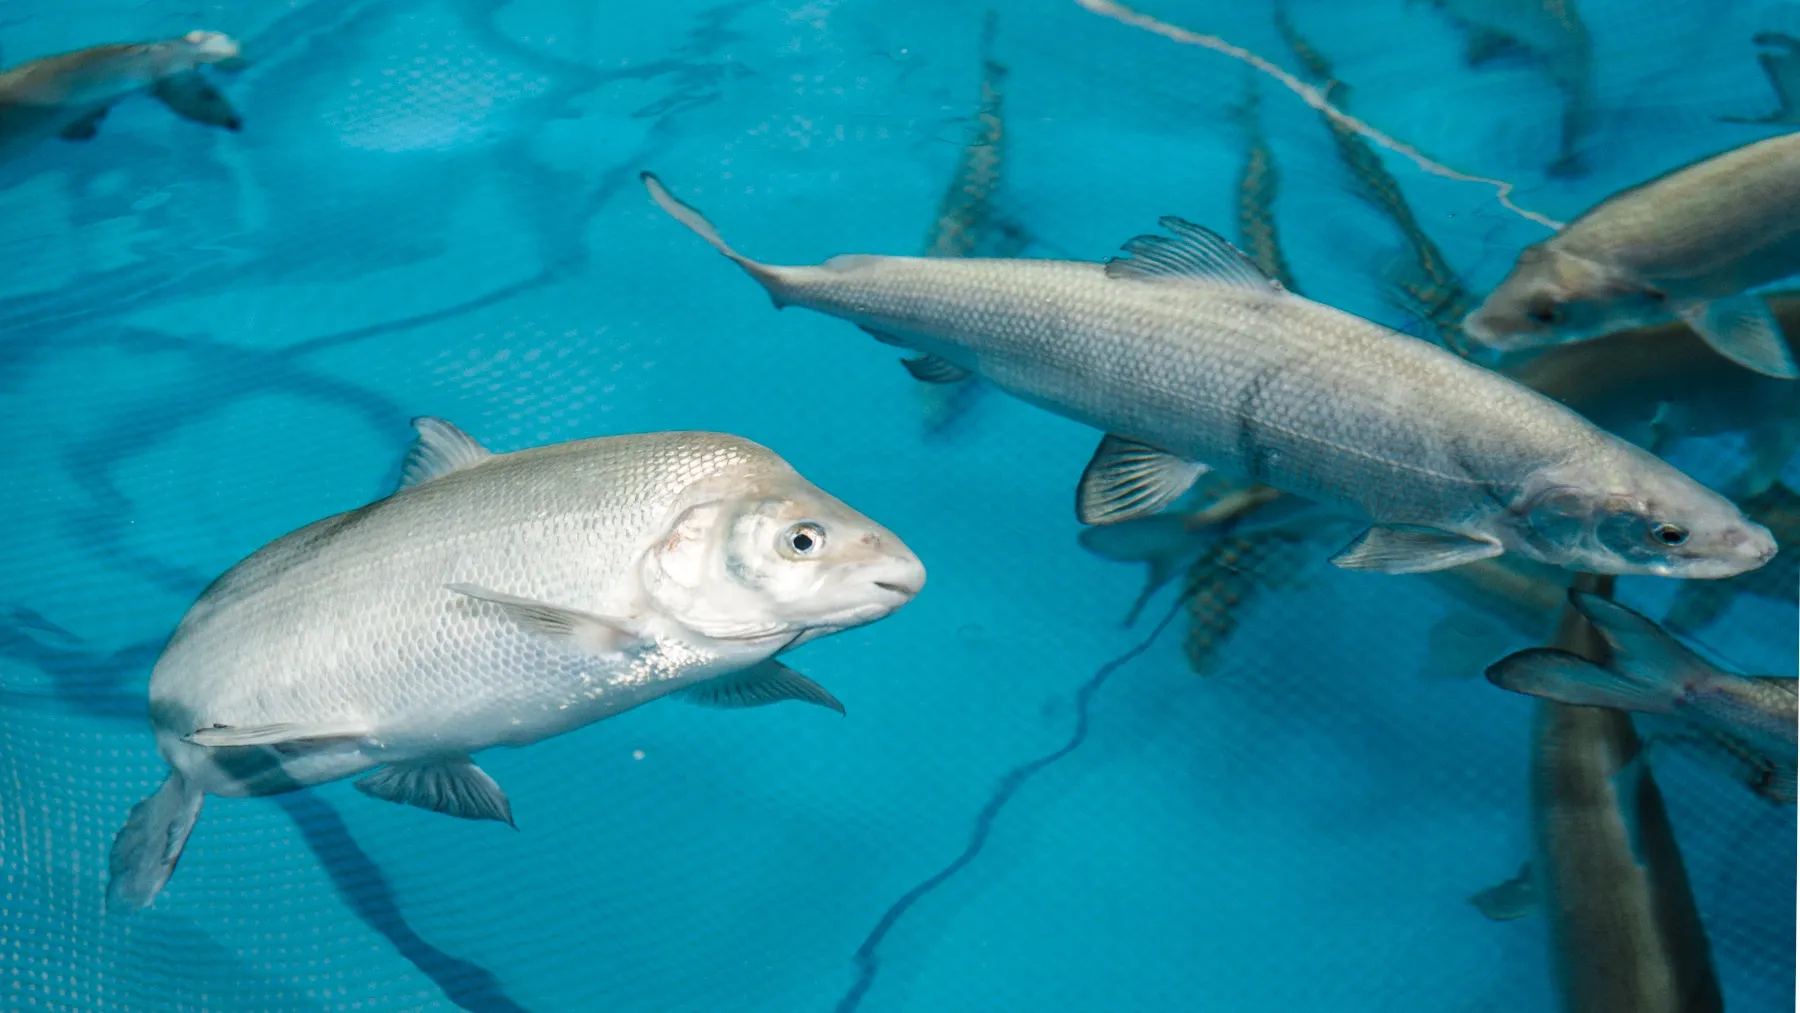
1189, 358
1688, 244
69, 94
1625, 933
498, 600
1650, 672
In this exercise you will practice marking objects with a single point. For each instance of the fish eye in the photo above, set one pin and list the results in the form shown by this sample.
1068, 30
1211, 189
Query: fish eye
1544, 311
804, 539
1669, 534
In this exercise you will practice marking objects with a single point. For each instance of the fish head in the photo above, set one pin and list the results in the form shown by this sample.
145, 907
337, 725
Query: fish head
777, 558
1640, 516
210, 47
1551, 297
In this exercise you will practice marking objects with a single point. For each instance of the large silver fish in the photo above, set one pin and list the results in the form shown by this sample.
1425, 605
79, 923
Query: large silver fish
1688, 244
1184, 352
1650, 672
69, 94
1625, 933
498, 600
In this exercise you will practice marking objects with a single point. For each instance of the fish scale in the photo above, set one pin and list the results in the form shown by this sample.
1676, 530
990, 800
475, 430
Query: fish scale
1343, 411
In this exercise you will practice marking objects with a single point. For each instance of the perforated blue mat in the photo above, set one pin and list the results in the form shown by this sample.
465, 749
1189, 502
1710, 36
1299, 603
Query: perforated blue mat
210, 339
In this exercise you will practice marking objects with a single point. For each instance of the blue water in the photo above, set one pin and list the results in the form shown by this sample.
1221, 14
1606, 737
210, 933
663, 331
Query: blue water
210, 339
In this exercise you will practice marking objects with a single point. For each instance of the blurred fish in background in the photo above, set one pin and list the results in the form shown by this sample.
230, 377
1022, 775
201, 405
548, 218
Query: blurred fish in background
1549, 32
1691, 244
1780, 59
967, 224
1426, 286
1606, 870
68, 95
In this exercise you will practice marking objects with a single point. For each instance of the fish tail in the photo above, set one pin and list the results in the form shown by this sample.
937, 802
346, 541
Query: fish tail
1567, 678
691, 217
146, 850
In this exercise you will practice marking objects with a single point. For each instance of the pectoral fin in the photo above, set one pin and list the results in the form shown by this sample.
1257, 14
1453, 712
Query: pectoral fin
85, 128
288, 737
1515, 898
451, 784
1127, 479
593, 634
1742, 329
760, 685
1396, 549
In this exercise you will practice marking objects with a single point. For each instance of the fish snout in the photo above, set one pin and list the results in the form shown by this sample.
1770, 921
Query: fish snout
1753, 543
893, 569
1737, 549
901, 575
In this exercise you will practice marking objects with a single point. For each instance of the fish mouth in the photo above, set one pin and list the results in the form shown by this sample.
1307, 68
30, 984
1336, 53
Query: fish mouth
899, 589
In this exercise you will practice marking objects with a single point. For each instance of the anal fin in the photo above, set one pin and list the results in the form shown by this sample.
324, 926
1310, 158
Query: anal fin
451, 784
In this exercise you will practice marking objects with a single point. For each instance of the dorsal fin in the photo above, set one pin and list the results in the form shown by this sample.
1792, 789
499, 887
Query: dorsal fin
439, 449
1195, 253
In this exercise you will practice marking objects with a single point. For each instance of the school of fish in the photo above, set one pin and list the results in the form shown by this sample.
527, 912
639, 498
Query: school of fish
1515, 456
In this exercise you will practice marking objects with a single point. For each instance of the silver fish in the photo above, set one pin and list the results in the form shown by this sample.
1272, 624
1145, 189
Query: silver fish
1651, 672
1184, 352
1689, 244
498, 600
69, 94
1625, 933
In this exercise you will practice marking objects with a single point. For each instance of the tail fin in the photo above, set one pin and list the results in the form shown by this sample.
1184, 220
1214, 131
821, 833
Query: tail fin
695, 221
1640, 647
146, 850
1568, 678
